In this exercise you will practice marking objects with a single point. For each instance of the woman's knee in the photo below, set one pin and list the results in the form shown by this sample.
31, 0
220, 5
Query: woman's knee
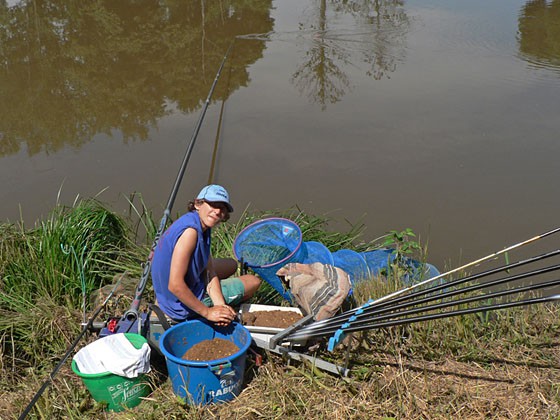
251, 284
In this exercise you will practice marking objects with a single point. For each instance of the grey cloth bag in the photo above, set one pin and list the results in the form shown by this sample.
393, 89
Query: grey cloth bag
318, 289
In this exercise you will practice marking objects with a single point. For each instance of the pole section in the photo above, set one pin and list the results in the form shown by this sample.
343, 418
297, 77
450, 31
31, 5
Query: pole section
493, 255
132, 313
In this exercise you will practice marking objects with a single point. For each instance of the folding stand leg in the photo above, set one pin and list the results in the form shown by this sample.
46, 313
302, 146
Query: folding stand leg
294, 355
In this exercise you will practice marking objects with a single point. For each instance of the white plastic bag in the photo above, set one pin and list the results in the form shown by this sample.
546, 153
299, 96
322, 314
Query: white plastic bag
116, 354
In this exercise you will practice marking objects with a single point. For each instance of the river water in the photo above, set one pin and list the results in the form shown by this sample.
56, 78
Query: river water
440, 116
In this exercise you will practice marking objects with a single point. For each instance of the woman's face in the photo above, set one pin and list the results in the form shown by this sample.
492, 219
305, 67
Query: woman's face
211, 213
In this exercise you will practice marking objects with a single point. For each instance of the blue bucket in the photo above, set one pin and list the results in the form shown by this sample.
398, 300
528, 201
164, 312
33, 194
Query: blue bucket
203, 382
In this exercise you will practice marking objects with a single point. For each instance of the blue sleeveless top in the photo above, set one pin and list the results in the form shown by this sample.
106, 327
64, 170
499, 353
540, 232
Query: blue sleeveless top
161, 263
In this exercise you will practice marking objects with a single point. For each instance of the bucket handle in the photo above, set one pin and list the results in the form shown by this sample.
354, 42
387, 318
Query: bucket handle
217, 369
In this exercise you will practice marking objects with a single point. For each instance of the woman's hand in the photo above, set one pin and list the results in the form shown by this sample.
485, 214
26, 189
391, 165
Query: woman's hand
221, 315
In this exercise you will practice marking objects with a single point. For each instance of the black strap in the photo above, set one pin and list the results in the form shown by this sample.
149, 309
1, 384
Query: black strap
161, 316
243, 267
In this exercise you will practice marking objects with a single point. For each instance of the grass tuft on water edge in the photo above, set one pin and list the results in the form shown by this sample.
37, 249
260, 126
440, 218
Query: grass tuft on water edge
47, 271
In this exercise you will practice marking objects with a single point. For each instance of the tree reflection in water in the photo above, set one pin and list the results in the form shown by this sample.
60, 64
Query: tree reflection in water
381, 44
70, 70
539, 33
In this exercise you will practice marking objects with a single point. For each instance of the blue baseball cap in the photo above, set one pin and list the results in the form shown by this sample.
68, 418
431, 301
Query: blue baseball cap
215, 194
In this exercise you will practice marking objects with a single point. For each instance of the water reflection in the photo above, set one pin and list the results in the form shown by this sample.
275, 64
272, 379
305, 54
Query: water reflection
70, 70
539, 33
379, 42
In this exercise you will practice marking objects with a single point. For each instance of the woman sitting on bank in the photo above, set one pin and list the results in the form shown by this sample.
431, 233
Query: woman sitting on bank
188, 282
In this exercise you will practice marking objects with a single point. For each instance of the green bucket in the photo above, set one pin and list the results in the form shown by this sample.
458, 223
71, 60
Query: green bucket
118, 392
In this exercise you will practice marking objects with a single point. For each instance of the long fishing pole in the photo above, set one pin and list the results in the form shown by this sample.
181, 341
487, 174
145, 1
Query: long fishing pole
488, 257
364, 323
132, 313
471, 299
449, 314
331, 327
219, 131
216, 143
466, 290
86, 327
369, 312
375, 305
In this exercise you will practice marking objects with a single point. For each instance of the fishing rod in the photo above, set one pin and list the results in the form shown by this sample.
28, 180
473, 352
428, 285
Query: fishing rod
373, 306
216, 143
465, 290
371, 311
487, 296
449, 314
488, 257
132, 313
85, 328
218, 132
364, 323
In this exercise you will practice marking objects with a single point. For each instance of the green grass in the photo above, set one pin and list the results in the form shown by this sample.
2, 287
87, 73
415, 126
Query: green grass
47, 271
498, 365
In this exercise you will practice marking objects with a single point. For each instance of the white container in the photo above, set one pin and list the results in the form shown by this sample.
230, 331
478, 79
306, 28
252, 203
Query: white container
253, 307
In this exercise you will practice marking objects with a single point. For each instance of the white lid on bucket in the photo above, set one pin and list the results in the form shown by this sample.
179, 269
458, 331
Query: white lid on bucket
115, 354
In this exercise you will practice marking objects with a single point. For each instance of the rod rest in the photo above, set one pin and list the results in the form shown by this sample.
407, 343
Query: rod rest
278, 338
